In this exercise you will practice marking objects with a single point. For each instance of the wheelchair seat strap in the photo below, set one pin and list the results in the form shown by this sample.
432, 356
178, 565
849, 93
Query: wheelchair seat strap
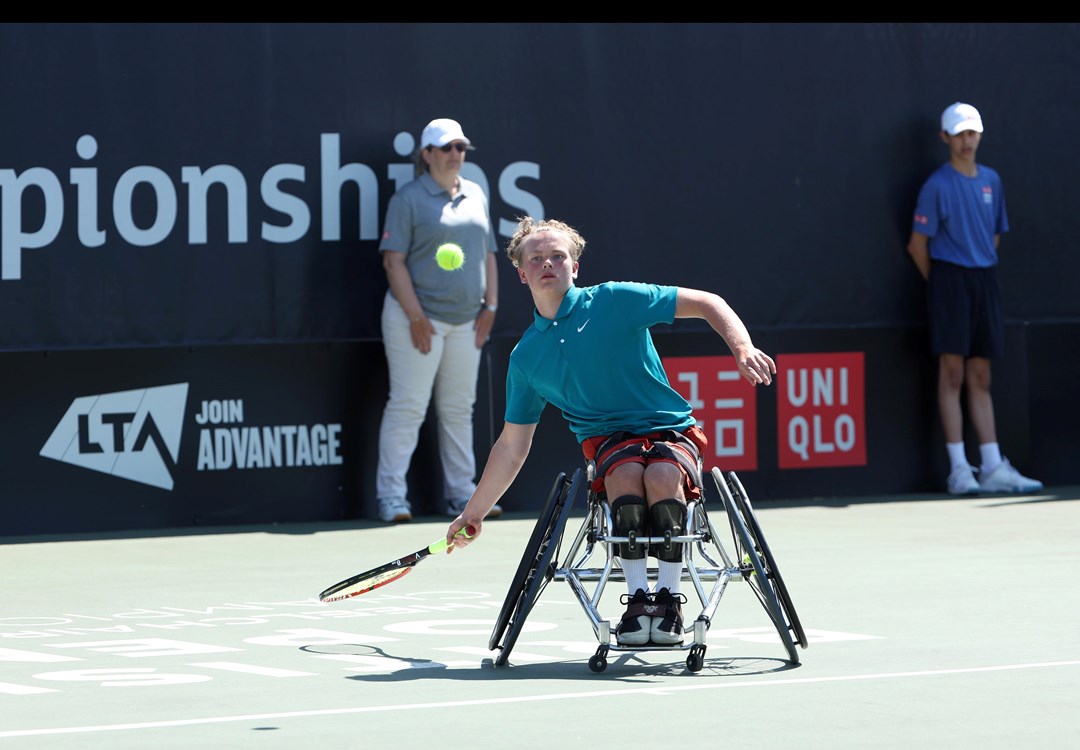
667, 445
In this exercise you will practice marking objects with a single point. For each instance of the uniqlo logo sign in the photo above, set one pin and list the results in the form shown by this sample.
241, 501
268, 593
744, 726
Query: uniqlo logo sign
821, 410
725, 406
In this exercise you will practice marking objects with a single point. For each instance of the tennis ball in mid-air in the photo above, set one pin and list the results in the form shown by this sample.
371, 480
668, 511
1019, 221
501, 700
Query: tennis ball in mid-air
449, 256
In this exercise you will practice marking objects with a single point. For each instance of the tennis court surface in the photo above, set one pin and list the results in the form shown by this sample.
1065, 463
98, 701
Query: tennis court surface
932, 622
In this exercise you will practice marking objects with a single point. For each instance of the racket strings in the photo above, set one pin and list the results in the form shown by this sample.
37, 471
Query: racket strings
364, 585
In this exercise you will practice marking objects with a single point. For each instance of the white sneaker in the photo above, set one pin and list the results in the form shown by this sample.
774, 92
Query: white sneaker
1005, 478
455, 507
962, 481
394, 510
667, 624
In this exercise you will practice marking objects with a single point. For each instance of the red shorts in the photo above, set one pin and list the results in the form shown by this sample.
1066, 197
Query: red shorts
682, 449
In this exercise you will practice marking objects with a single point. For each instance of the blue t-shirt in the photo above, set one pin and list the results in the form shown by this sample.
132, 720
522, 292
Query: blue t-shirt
961, 215
596, 362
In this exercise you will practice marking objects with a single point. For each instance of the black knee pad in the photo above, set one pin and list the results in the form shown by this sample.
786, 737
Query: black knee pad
629, 515
665, 516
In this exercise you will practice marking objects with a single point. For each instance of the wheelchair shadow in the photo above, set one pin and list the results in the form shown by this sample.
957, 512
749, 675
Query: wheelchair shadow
621, 666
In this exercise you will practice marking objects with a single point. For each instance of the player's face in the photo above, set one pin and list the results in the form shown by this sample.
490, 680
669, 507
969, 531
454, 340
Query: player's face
546, 263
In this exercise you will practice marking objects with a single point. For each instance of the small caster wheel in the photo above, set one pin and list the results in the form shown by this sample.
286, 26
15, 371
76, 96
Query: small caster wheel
696, 660
598, 661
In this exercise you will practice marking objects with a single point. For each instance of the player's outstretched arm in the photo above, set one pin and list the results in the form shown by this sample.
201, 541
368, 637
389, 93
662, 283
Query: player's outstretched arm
755, 365
504, 462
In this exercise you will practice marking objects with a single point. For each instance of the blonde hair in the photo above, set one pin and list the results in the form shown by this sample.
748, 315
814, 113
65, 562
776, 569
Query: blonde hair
528, 227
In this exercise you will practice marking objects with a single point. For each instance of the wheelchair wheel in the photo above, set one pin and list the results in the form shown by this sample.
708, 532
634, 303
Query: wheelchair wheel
755, 571
537, 566
743, 501
528, 560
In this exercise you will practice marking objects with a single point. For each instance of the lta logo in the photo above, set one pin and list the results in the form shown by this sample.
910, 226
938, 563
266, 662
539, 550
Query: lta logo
130, 434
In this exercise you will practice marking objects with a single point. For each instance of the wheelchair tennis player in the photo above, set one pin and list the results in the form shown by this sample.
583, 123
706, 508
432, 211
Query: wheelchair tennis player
589, 353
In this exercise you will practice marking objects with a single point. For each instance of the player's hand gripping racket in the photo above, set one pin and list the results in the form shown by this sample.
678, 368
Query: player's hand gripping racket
384, 574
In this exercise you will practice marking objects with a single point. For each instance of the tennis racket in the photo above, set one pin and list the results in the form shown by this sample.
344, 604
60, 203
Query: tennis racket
387, 573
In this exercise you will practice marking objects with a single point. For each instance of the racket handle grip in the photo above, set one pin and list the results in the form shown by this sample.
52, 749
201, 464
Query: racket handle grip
441, 545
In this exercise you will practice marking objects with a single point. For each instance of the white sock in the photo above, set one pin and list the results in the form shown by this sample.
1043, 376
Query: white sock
991, 457
957, 456
669, 576
637, 574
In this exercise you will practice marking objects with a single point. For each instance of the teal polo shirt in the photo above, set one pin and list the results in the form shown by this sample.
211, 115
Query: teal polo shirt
596, 362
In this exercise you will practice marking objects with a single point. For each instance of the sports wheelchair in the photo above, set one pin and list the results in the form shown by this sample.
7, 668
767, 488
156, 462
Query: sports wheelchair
705, 559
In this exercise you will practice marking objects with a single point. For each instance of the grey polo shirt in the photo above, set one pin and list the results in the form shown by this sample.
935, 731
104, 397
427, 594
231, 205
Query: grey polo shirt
420, 217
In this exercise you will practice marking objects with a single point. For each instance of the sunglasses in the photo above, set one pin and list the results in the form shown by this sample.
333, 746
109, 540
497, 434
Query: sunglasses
459, 147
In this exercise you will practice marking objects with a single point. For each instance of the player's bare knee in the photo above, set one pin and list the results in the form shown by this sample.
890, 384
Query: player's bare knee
624, 479
663, 479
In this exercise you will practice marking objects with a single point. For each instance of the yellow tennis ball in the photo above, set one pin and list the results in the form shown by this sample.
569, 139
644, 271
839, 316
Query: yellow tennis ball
449, 256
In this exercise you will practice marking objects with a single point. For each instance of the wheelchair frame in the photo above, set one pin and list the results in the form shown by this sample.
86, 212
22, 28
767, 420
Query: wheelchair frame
705, 560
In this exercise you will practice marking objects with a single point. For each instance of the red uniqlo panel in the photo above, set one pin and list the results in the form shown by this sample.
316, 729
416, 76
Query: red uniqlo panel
725, 406
820, 410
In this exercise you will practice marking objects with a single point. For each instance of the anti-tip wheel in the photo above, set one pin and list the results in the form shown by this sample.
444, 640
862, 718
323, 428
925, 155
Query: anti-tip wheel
696, 660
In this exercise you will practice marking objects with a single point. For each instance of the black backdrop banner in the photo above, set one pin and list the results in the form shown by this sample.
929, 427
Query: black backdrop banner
190, 285
184, 184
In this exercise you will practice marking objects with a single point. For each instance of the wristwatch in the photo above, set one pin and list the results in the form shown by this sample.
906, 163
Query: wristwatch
492, 308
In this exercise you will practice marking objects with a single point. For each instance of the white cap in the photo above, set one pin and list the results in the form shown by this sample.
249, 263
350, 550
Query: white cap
442, 131
959, 117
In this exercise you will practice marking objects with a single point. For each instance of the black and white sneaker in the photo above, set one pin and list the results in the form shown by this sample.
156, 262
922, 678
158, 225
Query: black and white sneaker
633, 630
667, 626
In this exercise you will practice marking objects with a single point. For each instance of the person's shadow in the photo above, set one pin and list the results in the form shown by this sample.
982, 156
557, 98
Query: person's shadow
622, 666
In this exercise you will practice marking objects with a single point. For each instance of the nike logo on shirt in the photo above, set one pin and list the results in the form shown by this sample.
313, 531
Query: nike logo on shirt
582, 328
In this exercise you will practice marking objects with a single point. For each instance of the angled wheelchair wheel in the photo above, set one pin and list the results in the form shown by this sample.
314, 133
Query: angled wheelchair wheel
755, 570
528, 560
743, 501
537, 566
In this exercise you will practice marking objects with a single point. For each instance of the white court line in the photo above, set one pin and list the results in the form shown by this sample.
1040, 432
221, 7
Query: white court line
229, 666
653, 690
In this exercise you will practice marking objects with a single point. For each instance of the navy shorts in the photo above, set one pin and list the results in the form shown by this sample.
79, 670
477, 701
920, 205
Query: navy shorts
966, 315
